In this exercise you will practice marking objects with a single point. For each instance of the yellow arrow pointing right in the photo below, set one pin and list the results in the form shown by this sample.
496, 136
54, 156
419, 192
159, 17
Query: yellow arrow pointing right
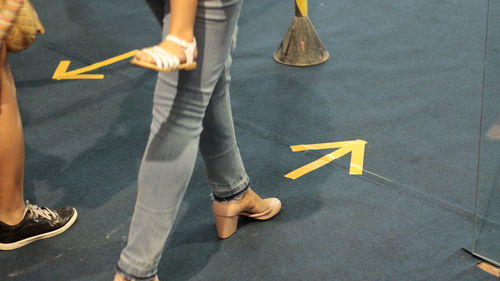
357, 149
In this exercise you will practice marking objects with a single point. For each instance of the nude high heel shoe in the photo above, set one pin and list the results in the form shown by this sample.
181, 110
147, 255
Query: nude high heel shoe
249, 205
119, 277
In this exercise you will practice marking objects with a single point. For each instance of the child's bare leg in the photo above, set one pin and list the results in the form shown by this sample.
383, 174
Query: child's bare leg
182, 17
11, 149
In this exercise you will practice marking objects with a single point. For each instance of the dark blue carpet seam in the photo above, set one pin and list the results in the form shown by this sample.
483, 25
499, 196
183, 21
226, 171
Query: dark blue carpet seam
368, 176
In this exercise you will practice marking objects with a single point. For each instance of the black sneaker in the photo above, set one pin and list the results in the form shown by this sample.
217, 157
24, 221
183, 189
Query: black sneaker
38, 223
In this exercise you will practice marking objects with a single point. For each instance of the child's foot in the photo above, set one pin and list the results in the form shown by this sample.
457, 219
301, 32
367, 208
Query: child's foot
172, 54
169, 46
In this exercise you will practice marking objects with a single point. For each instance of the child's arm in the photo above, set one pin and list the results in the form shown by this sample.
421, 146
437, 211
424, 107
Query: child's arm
8, 16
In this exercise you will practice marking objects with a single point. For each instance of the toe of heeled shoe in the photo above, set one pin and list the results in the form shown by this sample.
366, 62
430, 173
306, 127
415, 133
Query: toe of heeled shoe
275, 205
273, 210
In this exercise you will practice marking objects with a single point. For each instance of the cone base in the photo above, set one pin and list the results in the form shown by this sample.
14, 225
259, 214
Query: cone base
301, 45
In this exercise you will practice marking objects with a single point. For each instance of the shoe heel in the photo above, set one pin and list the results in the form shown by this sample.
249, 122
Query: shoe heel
226, 226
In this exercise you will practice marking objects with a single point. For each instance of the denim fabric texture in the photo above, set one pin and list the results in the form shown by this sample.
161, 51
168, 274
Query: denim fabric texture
191, 113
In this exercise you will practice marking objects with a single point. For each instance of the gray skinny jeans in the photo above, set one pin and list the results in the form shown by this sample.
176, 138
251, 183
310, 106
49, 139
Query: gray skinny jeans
191, 111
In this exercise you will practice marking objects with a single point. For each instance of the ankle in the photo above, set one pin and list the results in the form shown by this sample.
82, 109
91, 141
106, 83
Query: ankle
12, 217
187, 36
234, 197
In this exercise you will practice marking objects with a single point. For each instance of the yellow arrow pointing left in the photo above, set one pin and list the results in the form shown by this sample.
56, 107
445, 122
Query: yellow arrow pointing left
357, 149
63, 73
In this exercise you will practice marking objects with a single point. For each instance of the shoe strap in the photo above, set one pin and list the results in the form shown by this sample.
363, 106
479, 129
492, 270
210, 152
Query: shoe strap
189, 47
162, 58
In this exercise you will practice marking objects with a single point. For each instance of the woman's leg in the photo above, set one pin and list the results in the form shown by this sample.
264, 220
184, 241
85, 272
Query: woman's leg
218, 146
180, 102
225, 169
11, 148
11, 131
20, 223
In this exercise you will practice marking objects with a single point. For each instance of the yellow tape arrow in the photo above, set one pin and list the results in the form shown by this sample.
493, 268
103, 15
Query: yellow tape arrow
63, 73
357, 149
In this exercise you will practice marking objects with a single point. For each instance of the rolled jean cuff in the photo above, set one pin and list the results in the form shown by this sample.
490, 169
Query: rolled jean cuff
231, 197
134, 278
224, 191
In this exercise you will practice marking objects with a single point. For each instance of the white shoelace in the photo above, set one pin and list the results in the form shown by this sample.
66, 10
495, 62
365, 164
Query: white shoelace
40, 212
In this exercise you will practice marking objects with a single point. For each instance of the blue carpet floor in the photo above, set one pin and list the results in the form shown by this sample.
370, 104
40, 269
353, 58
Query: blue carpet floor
405, 76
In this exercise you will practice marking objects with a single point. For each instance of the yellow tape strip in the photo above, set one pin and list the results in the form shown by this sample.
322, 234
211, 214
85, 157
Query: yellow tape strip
61, 69
326, 145
357, 158
302, 5
317, 164
81, 76
61, 73
103, 63
357, 148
